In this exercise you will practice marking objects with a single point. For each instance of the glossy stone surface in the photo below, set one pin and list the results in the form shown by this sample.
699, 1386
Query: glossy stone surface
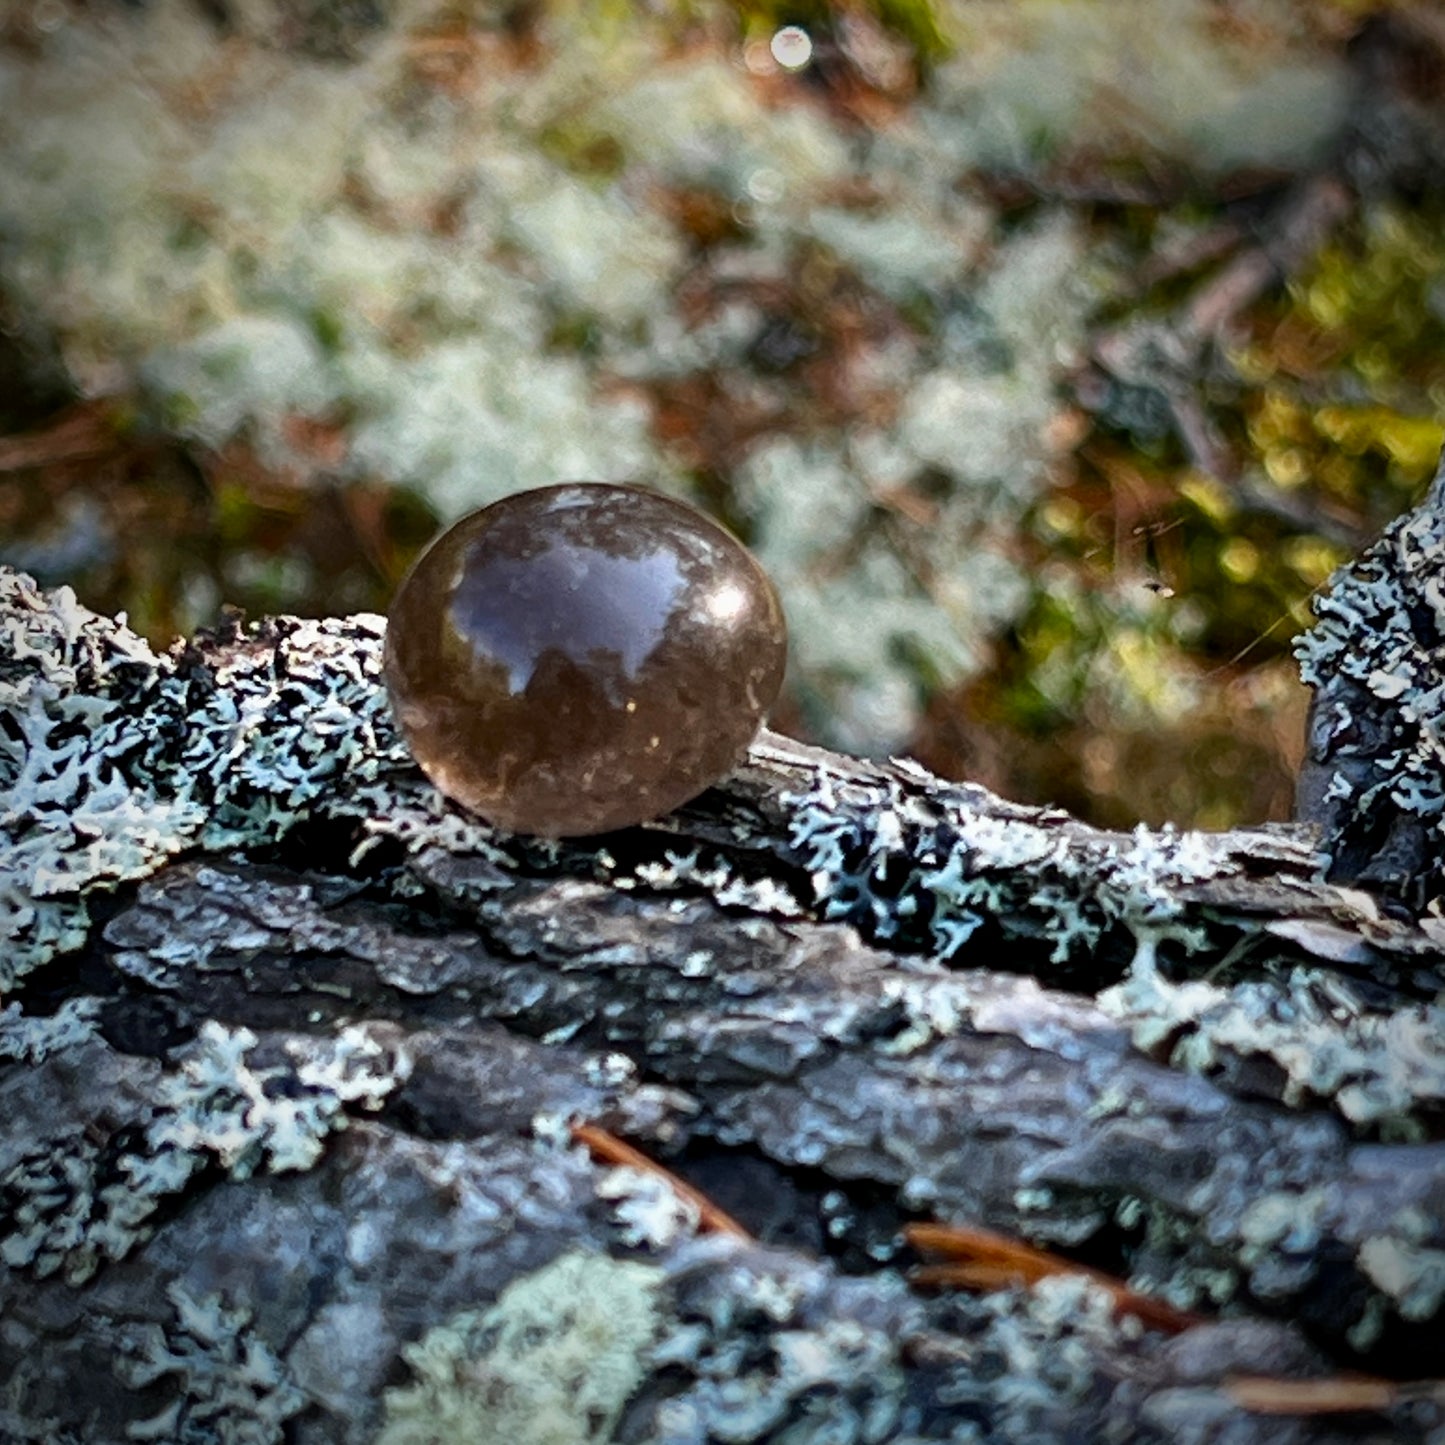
580, 658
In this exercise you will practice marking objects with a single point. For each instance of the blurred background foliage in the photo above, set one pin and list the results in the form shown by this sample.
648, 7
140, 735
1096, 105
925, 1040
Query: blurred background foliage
1245, 380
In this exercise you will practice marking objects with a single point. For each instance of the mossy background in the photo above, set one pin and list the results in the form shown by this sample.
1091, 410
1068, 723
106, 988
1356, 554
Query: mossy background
285, 284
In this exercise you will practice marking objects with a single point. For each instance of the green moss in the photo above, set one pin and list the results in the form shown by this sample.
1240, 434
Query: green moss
328, 325
1349, 368
582, 149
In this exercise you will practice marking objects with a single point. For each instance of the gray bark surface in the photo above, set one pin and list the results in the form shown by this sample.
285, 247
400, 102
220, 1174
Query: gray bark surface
291, 1050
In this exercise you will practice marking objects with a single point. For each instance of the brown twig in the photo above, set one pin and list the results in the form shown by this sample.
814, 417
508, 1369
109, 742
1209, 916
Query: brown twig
1165, 354
79, 433
980, 1259
1301, 225
607, 1148
1333, 1395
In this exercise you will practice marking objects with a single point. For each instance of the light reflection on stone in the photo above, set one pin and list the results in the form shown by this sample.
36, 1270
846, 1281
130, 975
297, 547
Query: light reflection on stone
580, 658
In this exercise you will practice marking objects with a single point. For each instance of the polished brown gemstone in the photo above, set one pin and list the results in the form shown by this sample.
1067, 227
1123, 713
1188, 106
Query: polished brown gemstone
583, 657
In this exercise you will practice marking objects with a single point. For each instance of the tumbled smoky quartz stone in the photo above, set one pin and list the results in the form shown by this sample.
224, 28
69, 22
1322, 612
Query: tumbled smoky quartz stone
580, 658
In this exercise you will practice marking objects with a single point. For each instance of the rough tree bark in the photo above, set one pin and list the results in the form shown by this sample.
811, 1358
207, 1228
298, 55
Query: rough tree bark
293, 1052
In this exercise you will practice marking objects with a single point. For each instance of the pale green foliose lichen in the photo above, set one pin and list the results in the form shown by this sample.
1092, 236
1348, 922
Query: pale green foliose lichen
839, 1381
1411, 1275
76, 1205
217, 752
1032, 1358
553, 1362
721, 882
225, 1384
931, 874
911, 871
114, 760
31, 1038
648, 1210
1377, 1069
1375, 775
70, 817
1281, 1231
221, 1104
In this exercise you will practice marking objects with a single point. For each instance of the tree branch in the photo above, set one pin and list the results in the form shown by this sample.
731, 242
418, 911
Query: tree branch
297, 1057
